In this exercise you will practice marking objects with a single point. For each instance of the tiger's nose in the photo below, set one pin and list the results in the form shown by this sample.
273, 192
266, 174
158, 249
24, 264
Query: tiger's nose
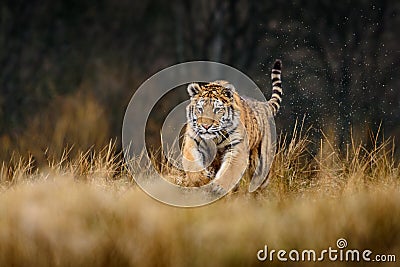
206, 126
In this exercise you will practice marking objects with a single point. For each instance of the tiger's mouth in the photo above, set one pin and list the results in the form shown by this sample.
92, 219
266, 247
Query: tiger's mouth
208, 132
207, 135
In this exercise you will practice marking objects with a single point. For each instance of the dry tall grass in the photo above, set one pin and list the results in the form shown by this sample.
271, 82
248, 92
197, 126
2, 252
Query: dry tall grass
87, 211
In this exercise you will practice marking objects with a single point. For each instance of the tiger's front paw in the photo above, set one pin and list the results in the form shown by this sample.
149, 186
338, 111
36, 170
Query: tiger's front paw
218, 189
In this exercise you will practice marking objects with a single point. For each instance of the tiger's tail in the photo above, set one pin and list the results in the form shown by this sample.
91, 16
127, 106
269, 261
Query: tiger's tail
276, 98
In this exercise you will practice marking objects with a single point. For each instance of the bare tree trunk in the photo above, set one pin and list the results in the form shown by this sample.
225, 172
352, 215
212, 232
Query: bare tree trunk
179, 21
218, 38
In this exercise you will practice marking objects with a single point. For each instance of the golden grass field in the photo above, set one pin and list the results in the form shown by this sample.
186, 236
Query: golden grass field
86, 210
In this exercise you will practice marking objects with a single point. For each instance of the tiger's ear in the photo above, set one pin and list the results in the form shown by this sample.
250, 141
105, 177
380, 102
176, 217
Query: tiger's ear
193, 89
229, 90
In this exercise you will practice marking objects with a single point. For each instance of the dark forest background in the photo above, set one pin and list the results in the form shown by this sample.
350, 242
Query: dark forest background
69, 68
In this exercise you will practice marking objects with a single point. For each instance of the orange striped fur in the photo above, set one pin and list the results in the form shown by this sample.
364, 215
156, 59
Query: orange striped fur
228, 135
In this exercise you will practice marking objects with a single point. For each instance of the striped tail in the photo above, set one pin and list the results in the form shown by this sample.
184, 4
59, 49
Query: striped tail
276, 99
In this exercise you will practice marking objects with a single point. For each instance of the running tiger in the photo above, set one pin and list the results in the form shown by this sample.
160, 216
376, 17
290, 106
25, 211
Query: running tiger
228, 135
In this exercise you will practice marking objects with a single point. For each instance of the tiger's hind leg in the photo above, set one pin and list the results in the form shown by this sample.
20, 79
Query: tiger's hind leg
262, 163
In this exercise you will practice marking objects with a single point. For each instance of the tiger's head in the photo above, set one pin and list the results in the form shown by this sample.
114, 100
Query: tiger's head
211, 111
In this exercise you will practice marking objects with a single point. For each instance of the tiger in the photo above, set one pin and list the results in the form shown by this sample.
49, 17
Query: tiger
227, 134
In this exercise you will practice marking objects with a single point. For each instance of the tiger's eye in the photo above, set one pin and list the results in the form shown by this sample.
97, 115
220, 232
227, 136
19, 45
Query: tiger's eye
218, 109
